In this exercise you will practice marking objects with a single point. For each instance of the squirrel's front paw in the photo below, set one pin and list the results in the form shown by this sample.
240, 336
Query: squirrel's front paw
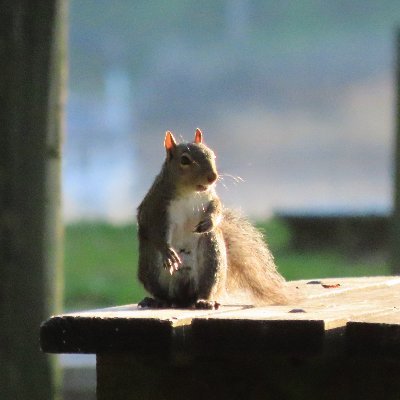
204, 226
172, 261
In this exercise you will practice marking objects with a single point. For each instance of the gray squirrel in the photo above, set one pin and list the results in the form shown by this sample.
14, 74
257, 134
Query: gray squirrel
192, 250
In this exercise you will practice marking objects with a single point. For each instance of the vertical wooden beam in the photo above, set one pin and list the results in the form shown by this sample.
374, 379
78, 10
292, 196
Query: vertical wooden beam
395, 247
32, 74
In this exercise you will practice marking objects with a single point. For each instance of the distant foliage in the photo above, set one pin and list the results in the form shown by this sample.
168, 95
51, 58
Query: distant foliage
101, 263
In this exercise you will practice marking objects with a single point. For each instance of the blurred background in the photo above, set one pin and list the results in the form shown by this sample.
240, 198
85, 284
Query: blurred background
295, 97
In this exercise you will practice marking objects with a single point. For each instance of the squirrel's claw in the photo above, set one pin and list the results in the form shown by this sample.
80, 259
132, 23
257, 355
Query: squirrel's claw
172, 261
173, 268
207, 305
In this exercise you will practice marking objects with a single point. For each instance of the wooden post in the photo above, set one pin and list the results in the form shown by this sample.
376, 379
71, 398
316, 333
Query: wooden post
395, 251
32, 66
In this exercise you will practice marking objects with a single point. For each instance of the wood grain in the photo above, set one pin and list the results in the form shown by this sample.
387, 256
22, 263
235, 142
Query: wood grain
325, 309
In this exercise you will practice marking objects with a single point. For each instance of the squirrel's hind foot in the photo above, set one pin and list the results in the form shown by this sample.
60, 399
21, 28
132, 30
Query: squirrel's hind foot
149, 302
207, 305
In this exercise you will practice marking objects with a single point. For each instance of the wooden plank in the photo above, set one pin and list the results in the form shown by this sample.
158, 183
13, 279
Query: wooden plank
329, 317
264, 330
390, 318
303, 325
125, 328
174, 316
378, 335
355, 297
308, 289
305, 290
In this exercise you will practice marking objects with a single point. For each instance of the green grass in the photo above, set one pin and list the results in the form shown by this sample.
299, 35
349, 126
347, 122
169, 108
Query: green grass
101, 261
319, 263
100, 265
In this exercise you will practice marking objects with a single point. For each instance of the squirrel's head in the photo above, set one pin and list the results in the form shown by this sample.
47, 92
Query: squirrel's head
192, 165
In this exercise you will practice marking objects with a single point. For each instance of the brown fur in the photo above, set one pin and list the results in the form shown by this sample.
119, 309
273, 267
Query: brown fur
251, 265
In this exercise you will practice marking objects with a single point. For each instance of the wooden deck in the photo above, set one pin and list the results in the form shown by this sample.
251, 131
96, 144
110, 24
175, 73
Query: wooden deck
346, 329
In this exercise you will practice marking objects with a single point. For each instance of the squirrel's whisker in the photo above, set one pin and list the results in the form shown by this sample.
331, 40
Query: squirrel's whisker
223, 185
236, 179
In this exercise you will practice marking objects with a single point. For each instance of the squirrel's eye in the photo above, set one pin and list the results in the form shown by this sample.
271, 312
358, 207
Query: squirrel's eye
185, 160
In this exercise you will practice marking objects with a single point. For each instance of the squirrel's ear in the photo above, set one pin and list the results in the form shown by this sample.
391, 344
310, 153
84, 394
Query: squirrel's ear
198, 136
169, 141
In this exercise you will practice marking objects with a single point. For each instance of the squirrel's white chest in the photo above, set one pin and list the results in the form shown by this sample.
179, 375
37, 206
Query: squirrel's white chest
184, 214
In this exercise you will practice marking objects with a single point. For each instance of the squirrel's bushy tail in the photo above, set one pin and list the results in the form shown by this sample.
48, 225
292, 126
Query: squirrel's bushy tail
251, 266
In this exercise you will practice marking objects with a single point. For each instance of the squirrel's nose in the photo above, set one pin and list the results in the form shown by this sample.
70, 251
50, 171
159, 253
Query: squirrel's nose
212, 177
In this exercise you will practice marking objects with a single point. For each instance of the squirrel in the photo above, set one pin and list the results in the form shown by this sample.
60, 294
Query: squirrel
192, 250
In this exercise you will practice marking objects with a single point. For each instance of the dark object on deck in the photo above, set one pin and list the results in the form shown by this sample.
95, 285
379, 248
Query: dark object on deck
31, 64
241, 352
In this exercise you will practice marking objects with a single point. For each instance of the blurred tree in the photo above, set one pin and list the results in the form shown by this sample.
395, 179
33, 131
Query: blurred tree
32, 72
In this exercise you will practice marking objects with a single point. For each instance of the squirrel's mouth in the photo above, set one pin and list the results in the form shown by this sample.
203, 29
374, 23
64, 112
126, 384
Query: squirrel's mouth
201, 188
